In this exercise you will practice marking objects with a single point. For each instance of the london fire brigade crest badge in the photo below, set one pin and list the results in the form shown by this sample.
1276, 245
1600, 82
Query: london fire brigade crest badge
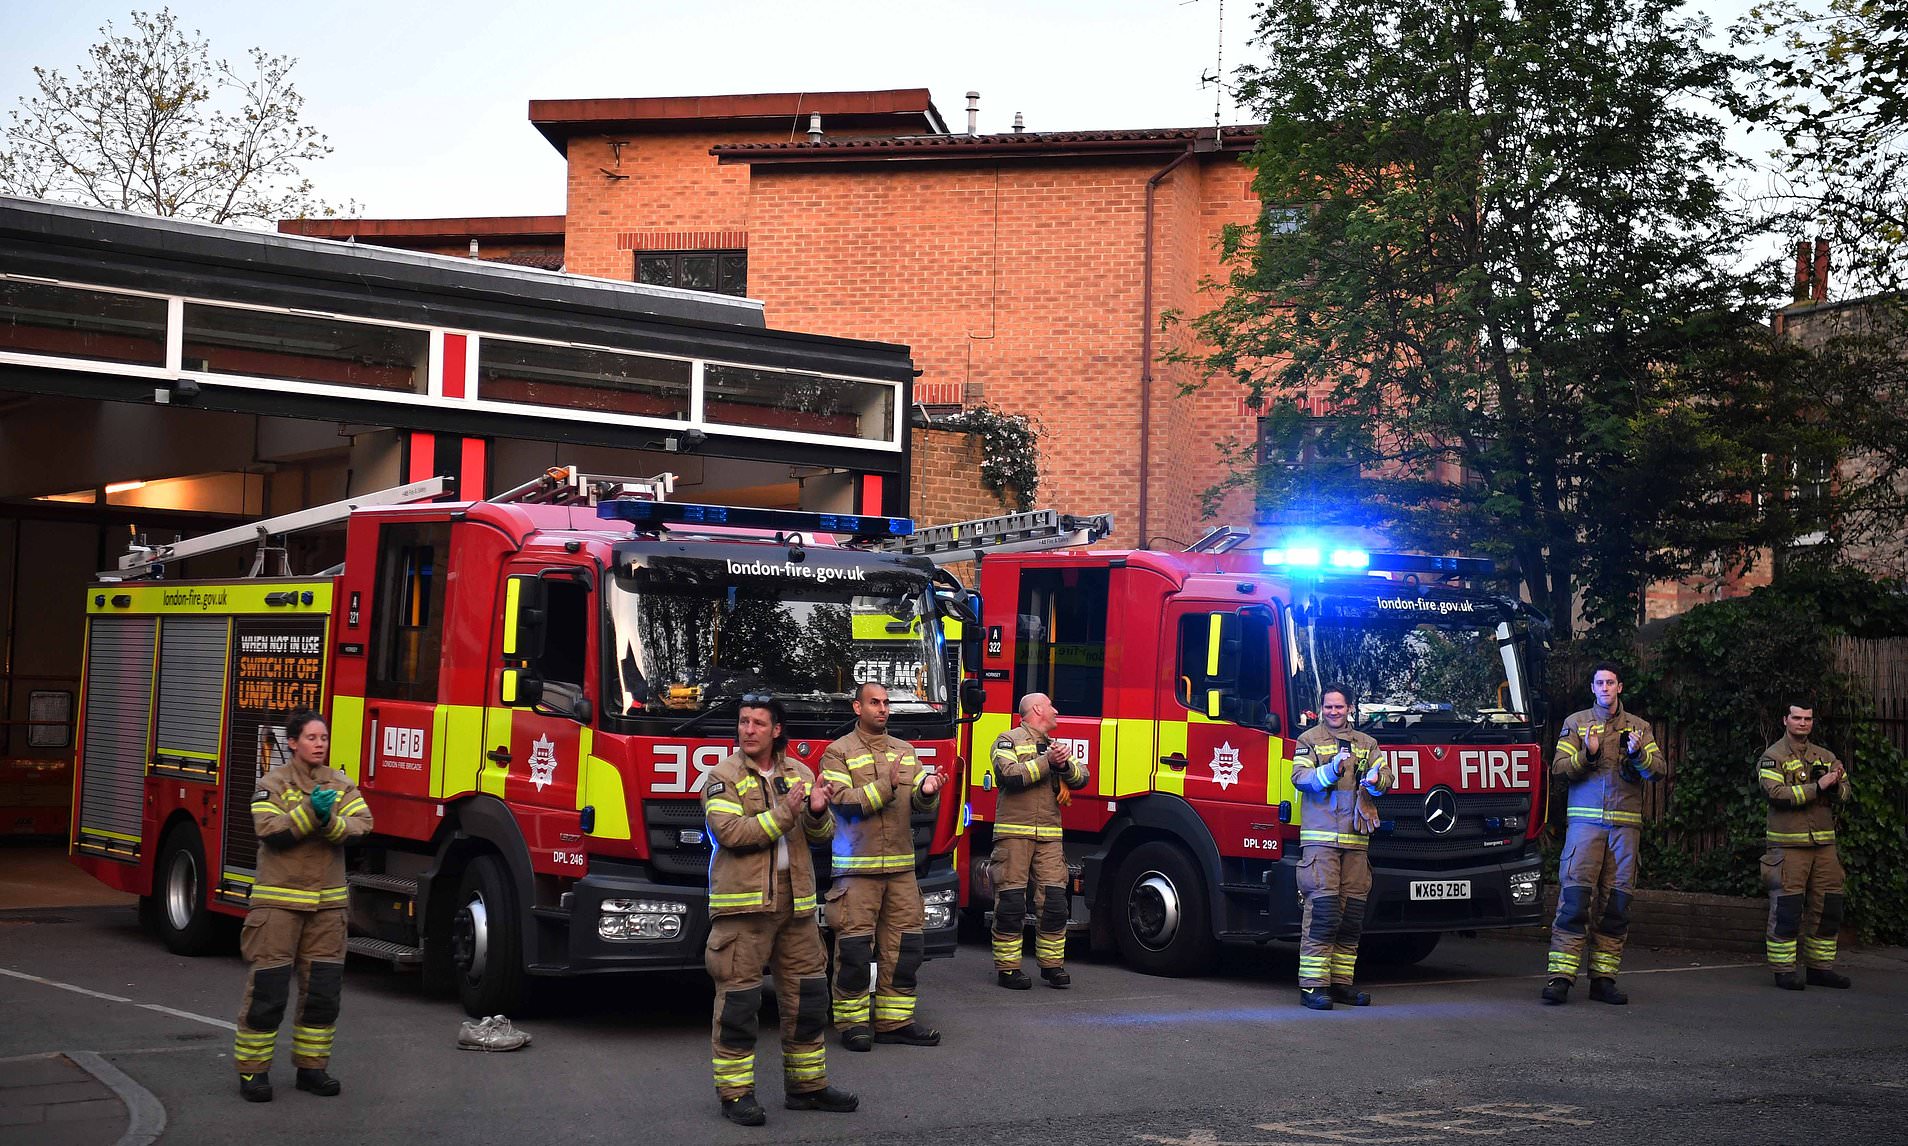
543, 762
1225, 765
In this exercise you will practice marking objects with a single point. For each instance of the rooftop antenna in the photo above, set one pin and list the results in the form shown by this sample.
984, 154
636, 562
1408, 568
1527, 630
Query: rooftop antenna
1218, 77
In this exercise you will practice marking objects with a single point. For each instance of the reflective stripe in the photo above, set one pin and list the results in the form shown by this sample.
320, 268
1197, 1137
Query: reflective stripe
1793, 839
842, 778
729, 806
1820, 951
1006, 950
335, 829
301, 818
767, 821
735, 899
1609, 818
734, 1071
1334, 839
265, 894
1604, 962
872, 790
1030, 831
859, 758
1563, 963
353, 808
889, 1008
851, 1011
1567, 746
1771, 775
804, 904
872, 863
1797, 794
1050, 948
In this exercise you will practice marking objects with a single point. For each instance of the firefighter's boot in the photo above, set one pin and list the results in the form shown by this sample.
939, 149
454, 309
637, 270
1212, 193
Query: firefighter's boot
1823, 977
1315, 998
830, 1098
914, 1035
744, 1110
1604, 990
858, 1038
1015, 980
1056, 977
1349, 995
255, 1087
314, 1079
1556, 992
1789, 981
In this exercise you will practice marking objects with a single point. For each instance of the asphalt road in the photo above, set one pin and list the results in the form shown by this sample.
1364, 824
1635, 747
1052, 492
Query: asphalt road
1456, 1050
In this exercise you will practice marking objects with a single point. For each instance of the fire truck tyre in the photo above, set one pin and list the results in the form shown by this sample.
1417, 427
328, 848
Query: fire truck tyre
185, 922
1160, 915
486, 942
1399, 950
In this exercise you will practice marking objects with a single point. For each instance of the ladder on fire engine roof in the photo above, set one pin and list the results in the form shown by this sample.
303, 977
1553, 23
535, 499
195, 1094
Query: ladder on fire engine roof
566, 485
1034, 531
151, 559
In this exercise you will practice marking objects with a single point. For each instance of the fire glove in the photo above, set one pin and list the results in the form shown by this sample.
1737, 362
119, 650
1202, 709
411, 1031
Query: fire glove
322, 801
1371, 781
1328, 773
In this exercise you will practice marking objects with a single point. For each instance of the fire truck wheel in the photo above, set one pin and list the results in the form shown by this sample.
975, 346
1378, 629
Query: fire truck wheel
486, 944
1160, 915
183, 919
1402, 950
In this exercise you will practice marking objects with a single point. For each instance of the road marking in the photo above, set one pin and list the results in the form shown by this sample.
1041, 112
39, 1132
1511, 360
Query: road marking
177, 1014
1486, 1120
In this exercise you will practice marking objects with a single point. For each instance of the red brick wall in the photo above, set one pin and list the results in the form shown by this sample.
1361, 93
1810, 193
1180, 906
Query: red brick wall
945, 479
669, 183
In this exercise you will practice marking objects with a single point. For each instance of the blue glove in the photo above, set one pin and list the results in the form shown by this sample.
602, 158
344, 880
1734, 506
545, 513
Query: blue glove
1371, 781
322, 801
1328, 774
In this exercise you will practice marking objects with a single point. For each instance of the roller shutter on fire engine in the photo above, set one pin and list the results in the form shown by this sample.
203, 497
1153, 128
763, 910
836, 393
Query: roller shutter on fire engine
191, 695
118, 716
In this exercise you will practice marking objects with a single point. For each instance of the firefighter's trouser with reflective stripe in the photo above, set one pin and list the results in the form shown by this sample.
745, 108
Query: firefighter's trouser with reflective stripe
1598, 878
877, 919
1805, 903
282, 944
789, 945
1335, 883
1015, 863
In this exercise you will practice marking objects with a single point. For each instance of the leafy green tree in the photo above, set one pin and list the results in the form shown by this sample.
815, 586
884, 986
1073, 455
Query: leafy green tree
1496, 300
1833, 84
152, 123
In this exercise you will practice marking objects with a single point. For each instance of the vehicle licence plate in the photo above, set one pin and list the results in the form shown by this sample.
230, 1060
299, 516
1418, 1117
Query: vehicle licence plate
1440, 889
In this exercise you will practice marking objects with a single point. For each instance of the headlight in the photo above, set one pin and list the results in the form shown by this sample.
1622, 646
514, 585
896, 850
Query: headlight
1526, 887
641, 919
937, 910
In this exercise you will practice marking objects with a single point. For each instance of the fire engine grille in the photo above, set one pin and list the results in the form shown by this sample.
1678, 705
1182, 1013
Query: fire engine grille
1468, 842
668, 823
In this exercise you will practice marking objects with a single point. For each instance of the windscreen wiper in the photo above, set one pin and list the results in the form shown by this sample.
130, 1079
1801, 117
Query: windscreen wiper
715, 708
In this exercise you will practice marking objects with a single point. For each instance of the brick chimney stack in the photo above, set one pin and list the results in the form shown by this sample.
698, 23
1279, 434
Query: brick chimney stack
1819, 281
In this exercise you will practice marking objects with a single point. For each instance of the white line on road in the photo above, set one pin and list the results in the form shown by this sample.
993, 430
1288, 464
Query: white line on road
210, 1022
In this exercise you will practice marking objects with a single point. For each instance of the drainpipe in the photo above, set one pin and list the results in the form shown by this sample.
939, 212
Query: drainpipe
1146, 343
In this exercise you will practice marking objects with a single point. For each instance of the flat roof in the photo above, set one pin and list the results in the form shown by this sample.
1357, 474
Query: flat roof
405, 231
1017, 144
901, 110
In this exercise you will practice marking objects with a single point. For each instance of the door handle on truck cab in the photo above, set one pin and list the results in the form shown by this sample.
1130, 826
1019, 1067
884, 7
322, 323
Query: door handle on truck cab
1175, 761
499, 755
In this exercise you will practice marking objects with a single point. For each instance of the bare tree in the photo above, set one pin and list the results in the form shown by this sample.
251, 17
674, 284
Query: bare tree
152, 123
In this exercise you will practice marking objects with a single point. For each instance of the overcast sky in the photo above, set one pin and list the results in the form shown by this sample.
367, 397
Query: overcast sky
426, 102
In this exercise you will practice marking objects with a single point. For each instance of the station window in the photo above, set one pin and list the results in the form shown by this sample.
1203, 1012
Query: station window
1061, 635
723, 272
407, 614
305, 348
69, 322
803, 403
539, 374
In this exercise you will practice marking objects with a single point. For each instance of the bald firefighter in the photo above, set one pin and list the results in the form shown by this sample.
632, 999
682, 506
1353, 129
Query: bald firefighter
874, 903
1338, 770
762, 914
1606, 754
1801, 870
1036, 773
303, 813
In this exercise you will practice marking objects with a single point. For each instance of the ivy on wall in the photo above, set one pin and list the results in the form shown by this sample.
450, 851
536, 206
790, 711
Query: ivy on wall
1010, 451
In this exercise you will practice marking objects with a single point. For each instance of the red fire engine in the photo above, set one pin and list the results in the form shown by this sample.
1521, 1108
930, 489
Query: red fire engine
1182, 678
528, 690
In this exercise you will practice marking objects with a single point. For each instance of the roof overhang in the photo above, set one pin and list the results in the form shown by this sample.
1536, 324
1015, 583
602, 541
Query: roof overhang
897, 110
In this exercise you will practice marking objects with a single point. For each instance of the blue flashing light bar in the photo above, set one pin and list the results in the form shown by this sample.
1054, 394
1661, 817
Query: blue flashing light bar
651, 514
1307, 555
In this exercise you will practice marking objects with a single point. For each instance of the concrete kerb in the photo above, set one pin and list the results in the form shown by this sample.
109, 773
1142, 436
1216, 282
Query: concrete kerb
77, 1092
145, 1116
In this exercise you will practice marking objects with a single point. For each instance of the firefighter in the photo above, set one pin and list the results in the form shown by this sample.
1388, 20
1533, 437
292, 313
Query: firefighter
1605, 753
1337, 770
1035, 773
762, 912
304, 813
874, 904
1801, 870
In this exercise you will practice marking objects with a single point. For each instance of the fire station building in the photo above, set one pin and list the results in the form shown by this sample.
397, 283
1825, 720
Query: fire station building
1026, 270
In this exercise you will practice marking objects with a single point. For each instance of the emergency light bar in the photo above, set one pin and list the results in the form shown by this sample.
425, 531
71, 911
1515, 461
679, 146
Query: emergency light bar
1361, 560
651, 514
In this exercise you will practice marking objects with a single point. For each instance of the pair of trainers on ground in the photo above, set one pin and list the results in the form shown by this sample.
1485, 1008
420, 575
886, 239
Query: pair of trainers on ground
745, 1110
491, 1033
1322, 998
258, 1087
1016, 979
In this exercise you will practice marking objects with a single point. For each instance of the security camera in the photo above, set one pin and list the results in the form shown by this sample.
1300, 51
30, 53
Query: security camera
687, 442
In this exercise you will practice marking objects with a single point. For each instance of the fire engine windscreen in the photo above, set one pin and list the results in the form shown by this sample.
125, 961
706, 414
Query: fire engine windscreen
692, 635
1412, 662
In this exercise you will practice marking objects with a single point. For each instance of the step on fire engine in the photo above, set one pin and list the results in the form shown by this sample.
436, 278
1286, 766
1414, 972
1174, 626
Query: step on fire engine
1182, 680
528, 690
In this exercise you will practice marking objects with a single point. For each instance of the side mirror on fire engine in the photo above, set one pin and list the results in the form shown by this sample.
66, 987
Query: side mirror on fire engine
973, 697
525, 613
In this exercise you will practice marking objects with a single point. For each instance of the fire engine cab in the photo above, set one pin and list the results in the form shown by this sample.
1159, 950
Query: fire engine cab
1182, 679
529, 691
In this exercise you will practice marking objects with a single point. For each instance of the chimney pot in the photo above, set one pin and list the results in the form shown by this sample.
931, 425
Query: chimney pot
473, 248
973, 112
814, 127
1020, 123
1801, 291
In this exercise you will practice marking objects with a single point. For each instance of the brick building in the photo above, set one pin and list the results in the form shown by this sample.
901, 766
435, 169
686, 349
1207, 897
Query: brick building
1026, 270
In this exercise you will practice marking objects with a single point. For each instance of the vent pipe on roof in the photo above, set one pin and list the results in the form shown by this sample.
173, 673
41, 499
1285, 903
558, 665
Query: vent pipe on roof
473, 248
814, 127
1020, 123
973, 112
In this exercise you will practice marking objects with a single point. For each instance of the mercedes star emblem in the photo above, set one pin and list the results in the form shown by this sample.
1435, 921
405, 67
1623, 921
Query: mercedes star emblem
1440, 811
